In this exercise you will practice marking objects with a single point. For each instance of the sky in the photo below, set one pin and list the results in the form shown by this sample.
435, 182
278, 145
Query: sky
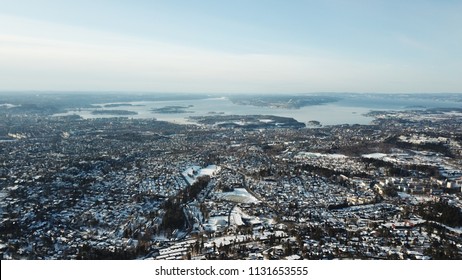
238, 46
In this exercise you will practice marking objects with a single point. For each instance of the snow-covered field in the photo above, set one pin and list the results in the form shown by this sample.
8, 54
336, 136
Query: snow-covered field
216, 222
192, 173
375, 156
239, 195
236, 217
311, 155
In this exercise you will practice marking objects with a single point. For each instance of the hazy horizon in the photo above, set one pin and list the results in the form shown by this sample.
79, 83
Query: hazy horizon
217, 93
231, 47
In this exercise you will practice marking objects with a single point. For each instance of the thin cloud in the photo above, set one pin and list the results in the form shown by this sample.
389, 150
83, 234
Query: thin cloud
67, 58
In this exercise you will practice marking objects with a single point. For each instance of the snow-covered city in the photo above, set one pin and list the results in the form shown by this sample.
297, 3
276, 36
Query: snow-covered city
125, 188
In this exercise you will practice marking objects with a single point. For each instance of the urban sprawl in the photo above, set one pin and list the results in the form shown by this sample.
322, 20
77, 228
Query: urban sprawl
123, 188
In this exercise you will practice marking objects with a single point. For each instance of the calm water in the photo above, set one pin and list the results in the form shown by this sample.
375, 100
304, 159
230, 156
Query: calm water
346, 111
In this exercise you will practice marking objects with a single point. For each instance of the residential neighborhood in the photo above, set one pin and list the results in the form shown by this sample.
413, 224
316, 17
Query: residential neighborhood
124, 188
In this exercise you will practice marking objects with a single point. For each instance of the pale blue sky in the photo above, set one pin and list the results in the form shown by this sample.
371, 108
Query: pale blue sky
231, 46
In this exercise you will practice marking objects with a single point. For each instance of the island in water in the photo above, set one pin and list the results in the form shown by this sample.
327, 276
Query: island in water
283, 101
248, 121
114, 112
173, 110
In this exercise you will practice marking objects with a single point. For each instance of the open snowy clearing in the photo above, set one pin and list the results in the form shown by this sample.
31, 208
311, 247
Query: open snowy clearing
239, 195
192, 173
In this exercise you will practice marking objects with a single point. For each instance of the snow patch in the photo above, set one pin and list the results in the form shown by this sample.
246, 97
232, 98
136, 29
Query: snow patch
216, 223
375, 156
239, 195
311, 155
193, 172
8, 105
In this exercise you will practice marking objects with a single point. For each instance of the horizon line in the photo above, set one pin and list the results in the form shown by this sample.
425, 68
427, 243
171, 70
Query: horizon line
207, 93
